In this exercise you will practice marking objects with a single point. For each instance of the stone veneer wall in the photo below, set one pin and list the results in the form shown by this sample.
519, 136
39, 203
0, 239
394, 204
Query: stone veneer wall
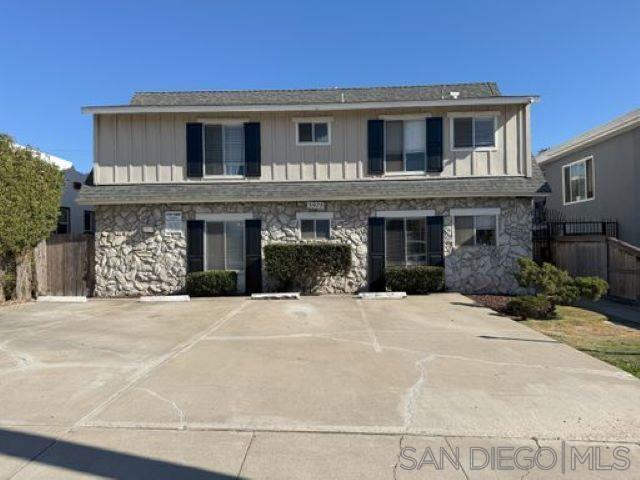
135, 256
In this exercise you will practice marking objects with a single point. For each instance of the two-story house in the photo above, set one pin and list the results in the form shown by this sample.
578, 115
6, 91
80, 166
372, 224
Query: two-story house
420, 175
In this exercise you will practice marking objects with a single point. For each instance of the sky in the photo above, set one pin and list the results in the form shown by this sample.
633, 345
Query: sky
581, 57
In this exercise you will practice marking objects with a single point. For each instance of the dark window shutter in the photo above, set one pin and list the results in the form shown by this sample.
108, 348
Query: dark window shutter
376, 254
435, 251
252, 149
195, 245
194, 150
253, 256
375, 142
434, 144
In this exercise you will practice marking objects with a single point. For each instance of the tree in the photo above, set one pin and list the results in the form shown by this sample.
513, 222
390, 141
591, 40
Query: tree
30, 191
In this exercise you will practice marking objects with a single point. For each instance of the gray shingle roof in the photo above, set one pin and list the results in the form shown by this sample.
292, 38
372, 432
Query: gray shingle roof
316, 96
256, 191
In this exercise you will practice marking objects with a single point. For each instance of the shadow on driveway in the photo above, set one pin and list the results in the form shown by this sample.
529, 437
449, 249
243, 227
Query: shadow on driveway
95, 461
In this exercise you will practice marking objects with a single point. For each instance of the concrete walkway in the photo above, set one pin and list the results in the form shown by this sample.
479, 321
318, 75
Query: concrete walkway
323, 387
622, 311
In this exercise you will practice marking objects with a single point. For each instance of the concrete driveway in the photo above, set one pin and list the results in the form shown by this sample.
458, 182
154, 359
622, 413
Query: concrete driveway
323, 387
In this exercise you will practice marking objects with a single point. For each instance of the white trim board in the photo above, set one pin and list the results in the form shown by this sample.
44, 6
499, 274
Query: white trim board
408, 116
460, 212
312, 119
224, 217
223, 121
314, 215
405, 213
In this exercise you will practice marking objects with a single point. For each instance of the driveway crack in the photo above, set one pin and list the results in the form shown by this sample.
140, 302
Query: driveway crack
367, 326
246, 453
413, 394
178, 410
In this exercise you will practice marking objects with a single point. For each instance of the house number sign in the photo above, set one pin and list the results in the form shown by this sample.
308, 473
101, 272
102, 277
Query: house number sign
316, 205
173, 221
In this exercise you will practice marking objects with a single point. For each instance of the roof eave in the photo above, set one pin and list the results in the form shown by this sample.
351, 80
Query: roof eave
151, 199
113, 109
596, 135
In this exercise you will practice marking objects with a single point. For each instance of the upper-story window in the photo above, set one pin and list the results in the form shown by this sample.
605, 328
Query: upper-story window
316, 132
577, 179
474, 132
223, 149
405, 145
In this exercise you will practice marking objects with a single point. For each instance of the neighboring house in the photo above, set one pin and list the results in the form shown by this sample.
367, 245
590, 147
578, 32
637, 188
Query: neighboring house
596, 175
424, 175
73, 218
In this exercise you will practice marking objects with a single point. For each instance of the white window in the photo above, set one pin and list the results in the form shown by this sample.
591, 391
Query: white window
405, 241
474, 132
405, 145
315, 225
475, 227
577, 181
223, 149
224, 245
313, 133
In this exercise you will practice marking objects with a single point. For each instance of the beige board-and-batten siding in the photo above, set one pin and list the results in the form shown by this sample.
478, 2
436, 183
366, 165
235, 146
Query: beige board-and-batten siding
151, 147
135, 256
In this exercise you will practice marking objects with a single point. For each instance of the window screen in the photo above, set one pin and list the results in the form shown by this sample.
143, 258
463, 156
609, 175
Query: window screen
484, 135
315, 229
578, 181
225, 245
463, 132
224, 150
406, 241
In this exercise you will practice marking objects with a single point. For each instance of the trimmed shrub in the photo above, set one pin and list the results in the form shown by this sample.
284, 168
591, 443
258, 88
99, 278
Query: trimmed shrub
530, 306
414, 279
592, 288
556, 285
299, 265
211, 283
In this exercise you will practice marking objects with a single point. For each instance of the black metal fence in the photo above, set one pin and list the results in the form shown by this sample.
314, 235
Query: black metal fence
549, 224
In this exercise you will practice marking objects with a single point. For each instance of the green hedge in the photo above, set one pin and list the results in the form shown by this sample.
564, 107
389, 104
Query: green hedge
299, 265
530, 306
211, 283
414, 279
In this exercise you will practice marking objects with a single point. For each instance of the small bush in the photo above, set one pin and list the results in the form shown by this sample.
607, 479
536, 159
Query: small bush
592, 288
414, 279
556, 285
530, 306
211, 283
299, 265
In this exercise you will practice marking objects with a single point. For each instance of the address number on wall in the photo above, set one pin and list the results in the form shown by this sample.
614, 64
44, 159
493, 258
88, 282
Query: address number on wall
316, 205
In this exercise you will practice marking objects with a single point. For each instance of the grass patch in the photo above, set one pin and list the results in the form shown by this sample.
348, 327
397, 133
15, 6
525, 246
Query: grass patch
591, 333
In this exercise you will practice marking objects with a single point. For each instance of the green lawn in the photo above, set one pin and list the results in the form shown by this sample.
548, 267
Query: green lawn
590, 332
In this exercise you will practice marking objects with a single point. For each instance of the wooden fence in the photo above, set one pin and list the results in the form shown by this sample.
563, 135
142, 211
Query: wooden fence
615, 261
624, 270
69, 260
